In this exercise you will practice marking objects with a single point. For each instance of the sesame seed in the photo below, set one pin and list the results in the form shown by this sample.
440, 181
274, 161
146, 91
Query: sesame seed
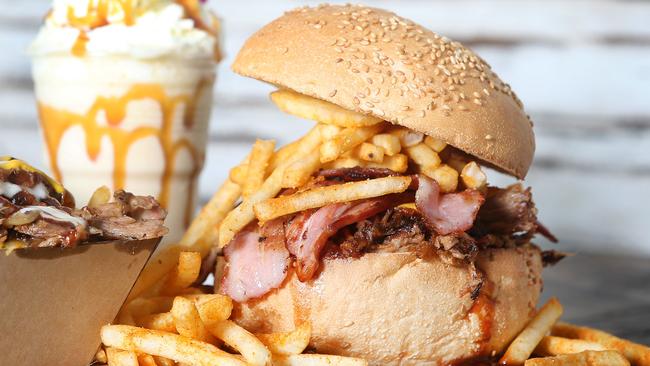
332, 93
356, 101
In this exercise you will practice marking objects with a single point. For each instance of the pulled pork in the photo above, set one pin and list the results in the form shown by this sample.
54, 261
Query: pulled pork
50, 224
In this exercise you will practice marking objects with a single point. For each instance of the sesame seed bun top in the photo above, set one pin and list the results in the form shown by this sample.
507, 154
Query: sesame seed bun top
375, 62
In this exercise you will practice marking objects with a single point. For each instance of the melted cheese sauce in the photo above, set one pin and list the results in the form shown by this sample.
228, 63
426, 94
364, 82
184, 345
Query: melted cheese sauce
54, 213
9, 190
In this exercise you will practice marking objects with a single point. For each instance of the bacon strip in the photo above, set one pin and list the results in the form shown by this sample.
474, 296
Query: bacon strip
257, 263
309, 231
448, 213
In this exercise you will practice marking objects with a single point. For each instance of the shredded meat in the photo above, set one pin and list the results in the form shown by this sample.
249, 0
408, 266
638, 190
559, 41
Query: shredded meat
128, 217
356, 173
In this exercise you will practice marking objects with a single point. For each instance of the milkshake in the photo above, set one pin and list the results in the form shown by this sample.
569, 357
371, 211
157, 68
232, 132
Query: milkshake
124, 92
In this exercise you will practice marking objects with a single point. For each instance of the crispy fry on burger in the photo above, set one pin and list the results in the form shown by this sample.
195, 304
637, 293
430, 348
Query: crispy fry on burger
36, 211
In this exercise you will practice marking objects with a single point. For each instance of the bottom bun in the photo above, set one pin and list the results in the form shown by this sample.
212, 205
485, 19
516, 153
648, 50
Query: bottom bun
398, 309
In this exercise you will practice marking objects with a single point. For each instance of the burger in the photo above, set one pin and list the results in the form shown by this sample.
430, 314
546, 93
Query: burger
379, 226
36, 211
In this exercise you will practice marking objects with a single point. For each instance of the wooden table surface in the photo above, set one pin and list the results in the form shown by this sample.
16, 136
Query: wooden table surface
608, 292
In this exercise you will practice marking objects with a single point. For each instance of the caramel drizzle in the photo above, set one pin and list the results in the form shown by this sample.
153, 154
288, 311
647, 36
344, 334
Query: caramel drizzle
56, 122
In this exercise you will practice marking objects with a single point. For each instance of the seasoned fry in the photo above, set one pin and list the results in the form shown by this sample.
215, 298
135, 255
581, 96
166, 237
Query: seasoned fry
553, 346
638, 354
168, 345
243, 214
435, 144
317, 360
407, 137
100, 356
212, 308
146, 360
185, 273
200, 236
254, 351
397, 163
291, 343
118, 357
162, 361
590, 358
161, 321
298, 173
390, 143
188, 321
370, 152
329, 131
101, 196
239, 173
444, 175
321, 196
347, 140
523, 345
473, 176
344, 162
259, 160
319, 110
424, 156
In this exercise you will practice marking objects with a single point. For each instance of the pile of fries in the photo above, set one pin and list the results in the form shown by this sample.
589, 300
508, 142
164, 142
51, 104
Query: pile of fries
181, 325
170, 320
560, 344
341, 139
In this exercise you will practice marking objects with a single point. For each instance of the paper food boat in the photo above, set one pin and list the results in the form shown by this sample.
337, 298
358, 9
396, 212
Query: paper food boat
54, 301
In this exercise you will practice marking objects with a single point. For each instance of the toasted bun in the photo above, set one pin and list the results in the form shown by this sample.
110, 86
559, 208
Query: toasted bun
396, 309
375, 62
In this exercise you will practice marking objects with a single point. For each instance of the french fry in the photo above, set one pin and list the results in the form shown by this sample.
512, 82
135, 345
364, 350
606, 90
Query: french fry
160, 321
290, 343
219, 272
397, 163
321, 196
590, 358
162, 361
435, 144
553, 346
317, 360
637, 354
239, 173
100, 356
101, 196
185, 273
370, 152
347, 140
423, 156
243, 214
319, 110
390, 143
213, 308
259, 160
168, 345
344, 162
254, 351
444, 175
407, 137
118, 357
188, 321
523, 345
473, 176
146, 360
328, 131
299, 172
201, 236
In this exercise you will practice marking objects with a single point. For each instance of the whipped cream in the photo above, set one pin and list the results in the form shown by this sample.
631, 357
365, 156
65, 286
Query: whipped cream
143, 29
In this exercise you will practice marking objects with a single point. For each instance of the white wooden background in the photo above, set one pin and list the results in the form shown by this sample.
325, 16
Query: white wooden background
582, 69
